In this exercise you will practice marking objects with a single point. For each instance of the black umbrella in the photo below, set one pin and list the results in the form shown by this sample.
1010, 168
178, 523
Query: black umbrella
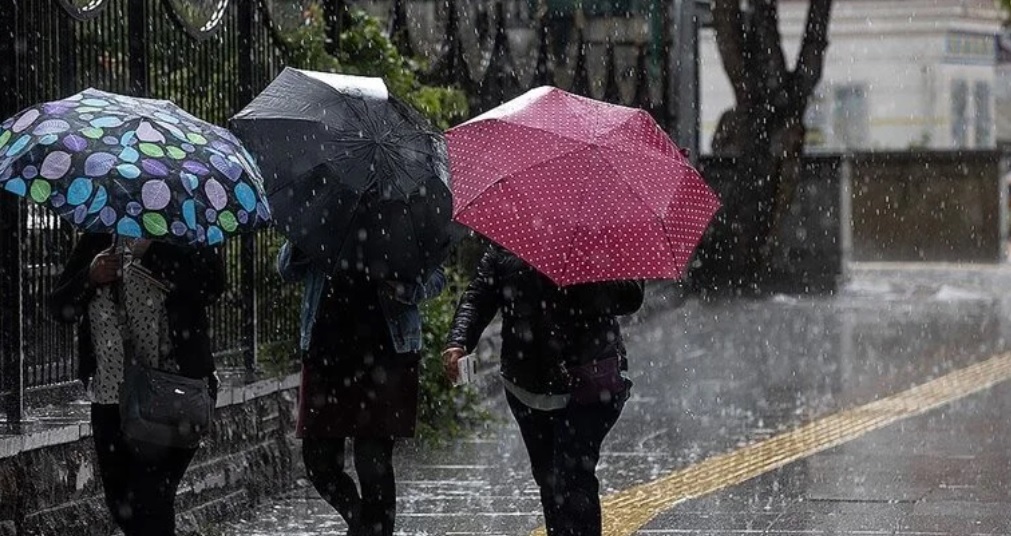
355, 178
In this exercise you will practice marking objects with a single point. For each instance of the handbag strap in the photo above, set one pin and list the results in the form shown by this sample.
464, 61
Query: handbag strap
122, 312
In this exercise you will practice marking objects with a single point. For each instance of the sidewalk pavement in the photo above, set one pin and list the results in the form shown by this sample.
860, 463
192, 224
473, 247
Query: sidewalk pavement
711, 378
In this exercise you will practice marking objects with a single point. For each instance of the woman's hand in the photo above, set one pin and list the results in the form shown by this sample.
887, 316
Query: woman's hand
140, 247
105, 268
450, 360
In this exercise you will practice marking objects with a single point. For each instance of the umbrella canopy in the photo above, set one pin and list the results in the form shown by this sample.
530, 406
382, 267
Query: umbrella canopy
582, 190
139, 168
356, 178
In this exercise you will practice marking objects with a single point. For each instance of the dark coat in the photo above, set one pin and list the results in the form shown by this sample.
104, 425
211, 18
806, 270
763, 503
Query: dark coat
546, 329
196, 279
354, 382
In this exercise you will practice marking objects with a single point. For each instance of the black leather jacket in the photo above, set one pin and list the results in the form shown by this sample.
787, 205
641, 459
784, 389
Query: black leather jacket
546, 329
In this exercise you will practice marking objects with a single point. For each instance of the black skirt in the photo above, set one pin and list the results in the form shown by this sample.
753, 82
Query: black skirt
370, 398
354, 384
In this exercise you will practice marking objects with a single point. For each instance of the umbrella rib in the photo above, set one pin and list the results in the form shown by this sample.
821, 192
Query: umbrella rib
518, 171
285, 118
259, 118
344, 240
372, 121
404, 148
414, 229
579, 225
673, 158
627, 120
525, 127
679, 164
631, 189
621, 178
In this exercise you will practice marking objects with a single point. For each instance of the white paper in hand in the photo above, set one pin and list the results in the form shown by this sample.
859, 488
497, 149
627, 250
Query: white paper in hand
467, 368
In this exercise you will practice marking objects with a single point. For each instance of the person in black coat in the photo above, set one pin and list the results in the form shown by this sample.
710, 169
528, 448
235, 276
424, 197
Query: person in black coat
562, 363
164, 292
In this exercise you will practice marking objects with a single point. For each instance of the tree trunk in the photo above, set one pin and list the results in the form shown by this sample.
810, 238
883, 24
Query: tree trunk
762, 135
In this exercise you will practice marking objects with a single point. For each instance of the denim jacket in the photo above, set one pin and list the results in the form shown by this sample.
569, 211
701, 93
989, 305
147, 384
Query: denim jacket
401, 311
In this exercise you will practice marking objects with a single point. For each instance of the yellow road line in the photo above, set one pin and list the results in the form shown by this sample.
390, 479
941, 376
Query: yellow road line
629, 510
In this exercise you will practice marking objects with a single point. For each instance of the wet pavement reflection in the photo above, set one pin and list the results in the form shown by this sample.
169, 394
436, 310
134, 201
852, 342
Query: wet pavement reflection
711, 377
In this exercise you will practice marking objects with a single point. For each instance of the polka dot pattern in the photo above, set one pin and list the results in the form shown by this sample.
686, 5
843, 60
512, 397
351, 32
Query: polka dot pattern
148, 329
582, 190
135, 167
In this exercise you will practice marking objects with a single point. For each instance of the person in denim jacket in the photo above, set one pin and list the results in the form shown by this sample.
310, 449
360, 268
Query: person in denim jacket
361, 343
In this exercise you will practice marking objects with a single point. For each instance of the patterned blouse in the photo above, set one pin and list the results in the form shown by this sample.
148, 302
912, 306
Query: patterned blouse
147, 321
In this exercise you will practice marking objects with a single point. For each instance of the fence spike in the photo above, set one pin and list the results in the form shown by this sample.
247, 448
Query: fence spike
544, 72
581, 76
500, 81
450, 67
612, 91
642, 98
399, 30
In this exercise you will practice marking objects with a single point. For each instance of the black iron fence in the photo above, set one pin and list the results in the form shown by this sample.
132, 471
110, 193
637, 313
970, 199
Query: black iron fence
211, 57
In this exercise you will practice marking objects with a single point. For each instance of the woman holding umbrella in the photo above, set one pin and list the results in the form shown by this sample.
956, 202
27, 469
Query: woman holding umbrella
584, 201
359, 184
361, 342
166, 290
562, 363
146, 181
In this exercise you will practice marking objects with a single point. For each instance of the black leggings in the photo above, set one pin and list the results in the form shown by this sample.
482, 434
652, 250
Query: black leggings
564, 448
140, 485
371, 513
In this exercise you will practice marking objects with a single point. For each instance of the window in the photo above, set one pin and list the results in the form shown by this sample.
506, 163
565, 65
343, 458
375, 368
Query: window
960, 113
983, 120
850, 122
816, 121
590, 7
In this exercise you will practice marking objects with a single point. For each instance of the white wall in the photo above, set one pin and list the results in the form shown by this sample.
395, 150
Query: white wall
894, 53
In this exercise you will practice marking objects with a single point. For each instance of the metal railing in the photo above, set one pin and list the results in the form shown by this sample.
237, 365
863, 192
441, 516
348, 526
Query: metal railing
139, 47
212, 67
46, 355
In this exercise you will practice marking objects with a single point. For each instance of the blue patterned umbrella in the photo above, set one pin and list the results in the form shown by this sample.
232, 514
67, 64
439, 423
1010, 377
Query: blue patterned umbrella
138, 168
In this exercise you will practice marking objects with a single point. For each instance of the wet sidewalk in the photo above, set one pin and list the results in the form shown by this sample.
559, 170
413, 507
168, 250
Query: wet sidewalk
712, 378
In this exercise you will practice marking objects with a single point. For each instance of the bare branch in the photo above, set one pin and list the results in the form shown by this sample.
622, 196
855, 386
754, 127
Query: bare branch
767, 26
728, 21
811, 60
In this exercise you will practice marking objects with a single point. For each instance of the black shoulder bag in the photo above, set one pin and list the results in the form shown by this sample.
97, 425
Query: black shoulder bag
158, 407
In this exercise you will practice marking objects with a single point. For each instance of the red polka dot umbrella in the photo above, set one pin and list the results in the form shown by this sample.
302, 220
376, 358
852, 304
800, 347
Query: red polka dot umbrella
581, 190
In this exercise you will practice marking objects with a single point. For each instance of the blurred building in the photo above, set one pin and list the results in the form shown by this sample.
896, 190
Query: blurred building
898, 74
624, 28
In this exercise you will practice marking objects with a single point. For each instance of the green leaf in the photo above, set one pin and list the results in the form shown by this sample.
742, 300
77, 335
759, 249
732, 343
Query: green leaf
227, 221
155, 224
151, 150
41, 190
366, 51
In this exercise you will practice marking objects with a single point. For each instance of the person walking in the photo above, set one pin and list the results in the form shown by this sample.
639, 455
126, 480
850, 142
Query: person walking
361, 340
562, 364
163, 290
